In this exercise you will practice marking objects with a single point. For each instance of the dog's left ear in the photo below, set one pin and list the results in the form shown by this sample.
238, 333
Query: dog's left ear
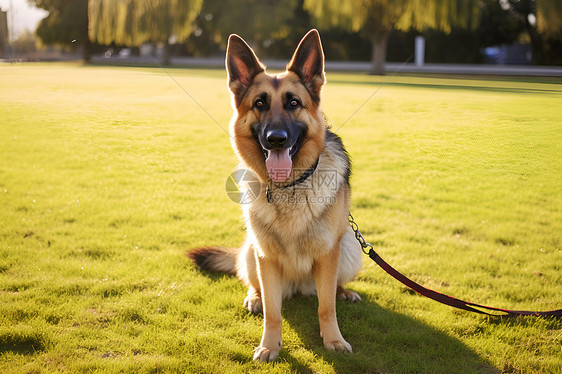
242, 65
308, 62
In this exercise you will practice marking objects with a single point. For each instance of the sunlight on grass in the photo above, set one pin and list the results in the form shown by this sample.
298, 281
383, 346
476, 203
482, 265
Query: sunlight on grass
108, 175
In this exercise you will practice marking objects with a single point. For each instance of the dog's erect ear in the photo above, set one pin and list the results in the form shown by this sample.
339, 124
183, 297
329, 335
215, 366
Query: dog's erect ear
242, 65
308, 62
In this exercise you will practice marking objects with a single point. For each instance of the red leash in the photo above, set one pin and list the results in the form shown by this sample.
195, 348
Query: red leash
442, 298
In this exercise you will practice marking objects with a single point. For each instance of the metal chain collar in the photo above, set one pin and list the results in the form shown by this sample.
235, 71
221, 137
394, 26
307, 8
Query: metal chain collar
366, 247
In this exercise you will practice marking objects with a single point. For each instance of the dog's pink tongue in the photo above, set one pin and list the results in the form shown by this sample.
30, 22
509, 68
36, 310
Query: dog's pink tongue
279, 164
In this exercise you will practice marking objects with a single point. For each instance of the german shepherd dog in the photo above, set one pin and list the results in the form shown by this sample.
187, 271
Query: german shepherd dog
299, 240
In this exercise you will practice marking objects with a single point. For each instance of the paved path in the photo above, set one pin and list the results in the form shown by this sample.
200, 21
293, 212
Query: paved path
518, 70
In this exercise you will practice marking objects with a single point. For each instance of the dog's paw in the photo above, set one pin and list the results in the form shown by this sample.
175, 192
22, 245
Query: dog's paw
345, 294
253, 304
264, 354
338, 345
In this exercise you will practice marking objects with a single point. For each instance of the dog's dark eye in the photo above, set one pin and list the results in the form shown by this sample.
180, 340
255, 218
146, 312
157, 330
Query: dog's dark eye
259, 103
294, 103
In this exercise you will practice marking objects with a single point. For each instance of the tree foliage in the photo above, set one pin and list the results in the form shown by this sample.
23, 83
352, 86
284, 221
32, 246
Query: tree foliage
376, 18
549, 16
372, 16
498, 25
260, 22
549, 23
66, 24
133, 22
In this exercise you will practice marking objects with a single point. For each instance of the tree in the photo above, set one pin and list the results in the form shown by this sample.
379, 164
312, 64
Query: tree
66, 24
541, 19
549, 24
376, 18
504, 21
498, 25
260, 22
25, 43
133, 22
526, 12
549, 16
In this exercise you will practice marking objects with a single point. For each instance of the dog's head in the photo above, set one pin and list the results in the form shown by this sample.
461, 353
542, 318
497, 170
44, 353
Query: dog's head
277, 128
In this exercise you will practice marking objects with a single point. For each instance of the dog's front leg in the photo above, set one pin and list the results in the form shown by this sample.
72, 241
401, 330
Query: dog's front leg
325, 277
272, 297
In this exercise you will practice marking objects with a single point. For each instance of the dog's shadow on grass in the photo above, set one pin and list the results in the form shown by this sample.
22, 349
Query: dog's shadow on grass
383, 341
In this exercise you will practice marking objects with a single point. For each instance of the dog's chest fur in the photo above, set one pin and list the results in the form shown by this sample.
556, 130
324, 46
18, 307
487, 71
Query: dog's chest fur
292, 228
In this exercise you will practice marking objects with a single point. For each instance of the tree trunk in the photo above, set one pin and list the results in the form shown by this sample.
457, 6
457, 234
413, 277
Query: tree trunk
379, 43
167, 53
87, 50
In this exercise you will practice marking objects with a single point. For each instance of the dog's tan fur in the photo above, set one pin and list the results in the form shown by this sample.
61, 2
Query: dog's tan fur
305, 246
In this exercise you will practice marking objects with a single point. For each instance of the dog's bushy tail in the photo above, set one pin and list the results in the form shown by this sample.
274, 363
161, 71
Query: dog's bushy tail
218, 259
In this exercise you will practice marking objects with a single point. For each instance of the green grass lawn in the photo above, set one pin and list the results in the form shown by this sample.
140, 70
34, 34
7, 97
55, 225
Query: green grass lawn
109, 175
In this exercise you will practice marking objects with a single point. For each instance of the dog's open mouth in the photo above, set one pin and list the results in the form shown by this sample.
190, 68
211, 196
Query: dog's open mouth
279, 162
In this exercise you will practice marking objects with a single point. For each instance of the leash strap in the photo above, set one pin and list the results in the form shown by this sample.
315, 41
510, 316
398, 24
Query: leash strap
439, 297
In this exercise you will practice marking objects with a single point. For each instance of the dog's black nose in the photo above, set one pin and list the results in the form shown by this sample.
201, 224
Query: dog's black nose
276, 138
